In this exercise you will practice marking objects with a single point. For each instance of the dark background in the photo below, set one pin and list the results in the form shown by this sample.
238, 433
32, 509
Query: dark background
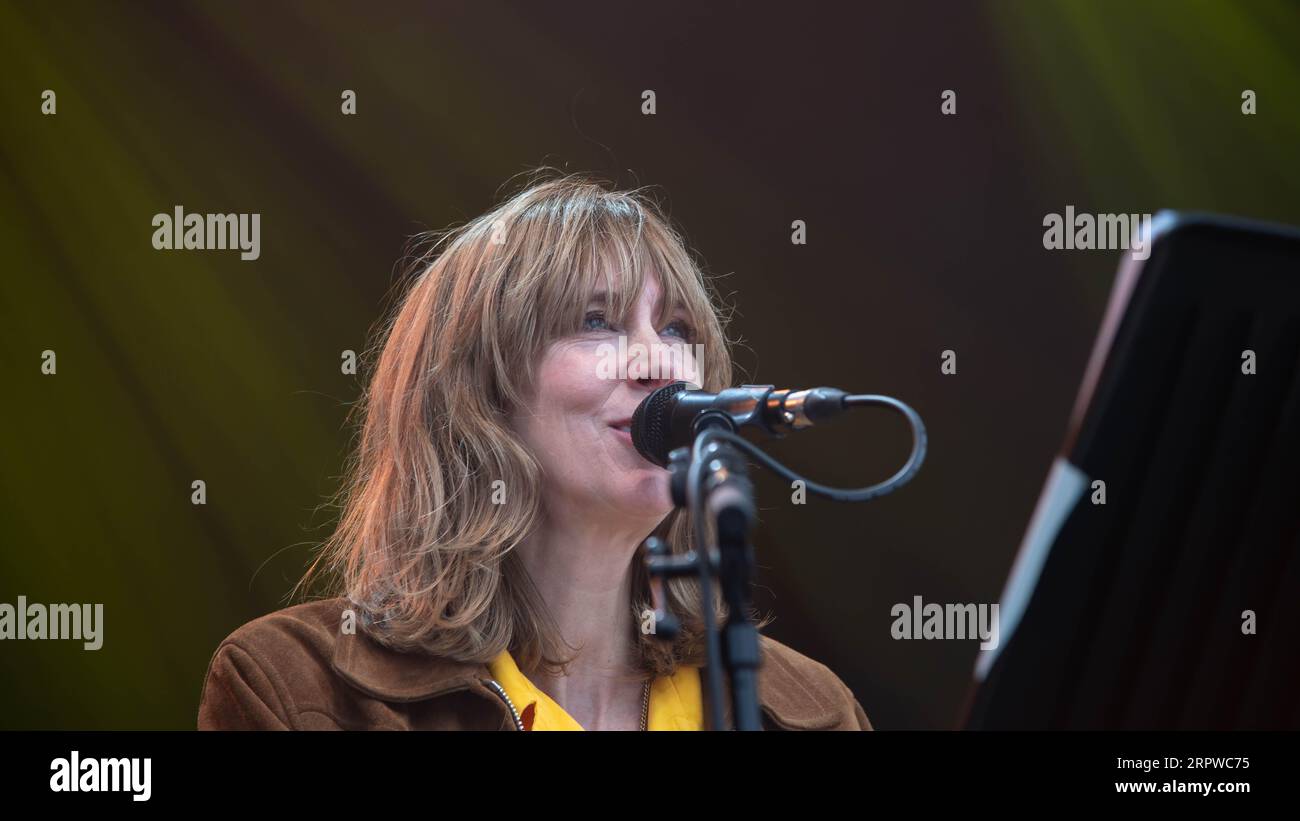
924, 234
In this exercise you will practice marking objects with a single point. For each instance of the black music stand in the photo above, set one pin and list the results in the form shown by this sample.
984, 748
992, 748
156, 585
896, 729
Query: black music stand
1129, 614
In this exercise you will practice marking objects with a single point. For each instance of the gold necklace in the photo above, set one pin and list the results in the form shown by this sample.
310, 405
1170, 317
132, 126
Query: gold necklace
645, 707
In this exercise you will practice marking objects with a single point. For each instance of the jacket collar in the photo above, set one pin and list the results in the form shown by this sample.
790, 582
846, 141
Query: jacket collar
391, 675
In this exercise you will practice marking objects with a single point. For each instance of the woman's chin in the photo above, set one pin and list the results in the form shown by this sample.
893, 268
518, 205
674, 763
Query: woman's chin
645, 496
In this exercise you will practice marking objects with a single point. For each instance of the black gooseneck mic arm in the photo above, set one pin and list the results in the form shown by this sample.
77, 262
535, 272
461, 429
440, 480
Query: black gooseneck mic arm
710, 479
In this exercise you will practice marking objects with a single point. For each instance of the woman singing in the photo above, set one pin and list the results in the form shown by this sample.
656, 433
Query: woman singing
488, 558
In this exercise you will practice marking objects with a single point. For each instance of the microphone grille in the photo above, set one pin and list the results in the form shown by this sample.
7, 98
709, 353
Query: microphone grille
651, 432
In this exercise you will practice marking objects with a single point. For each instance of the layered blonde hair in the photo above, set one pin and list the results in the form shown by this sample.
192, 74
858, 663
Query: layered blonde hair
421, 549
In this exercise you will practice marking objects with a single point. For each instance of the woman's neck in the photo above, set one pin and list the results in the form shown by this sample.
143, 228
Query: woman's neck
582, 569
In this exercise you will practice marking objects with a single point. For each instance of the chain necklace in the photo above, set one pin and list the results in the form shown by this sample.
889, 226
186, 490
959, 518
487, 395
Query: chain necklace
645, 707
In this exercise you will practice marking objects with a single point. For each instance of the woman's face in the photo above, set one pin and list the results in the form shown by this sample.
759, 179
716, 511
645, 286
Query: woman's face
587, 387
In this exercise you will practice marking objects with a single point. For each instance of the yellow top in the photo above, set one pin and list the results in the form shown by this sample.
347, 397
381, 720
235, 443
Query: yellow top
676, 702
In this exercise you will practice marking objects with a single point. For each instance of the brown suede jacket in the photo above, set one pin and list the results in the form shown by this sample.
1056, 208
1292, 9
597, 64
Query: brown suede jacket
295, 669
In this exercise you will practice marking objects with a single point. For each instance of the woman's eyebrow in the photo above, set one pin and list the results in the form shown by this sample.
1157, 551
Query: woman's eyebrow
676, 310
600, 299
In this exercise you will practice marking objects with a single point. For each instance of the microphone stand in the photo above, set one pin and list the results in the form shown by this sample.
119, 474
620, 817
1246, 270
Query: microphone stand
729, 499
711, 478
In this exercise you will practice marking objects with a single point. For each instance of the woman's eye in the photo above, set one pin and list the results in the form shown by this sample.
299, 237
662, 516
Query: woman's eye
679, 329
595, 321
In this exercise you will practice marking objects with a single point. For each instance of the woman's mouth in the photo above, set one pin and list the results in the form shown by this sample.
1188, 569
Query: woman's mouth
623, 429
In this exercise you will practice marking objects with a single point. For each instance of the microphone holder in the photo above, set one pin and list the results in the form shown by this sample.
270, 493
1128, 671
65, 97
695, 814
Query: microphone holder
710, 478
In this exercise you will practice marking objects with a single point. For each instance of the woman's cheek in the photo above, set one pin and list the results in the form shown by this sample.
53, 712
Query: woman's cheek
568, 366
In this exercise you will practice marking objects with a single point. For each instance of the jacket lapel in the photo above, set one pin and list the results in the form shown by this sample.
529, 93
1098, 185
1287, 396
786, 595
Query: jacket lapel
392, 675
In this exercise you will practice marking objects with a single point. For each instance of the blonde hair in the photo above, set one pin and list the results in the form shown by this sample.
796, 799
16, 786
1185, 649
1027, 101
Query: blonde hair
420, 547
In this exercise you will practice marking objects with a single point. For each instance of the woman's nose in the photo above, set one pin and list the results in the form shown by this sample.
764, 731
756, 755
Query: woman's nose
653, 362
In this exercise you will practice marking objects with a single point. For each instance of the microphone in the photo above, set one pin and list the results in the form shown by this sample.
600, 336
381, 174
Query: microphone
673, 415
